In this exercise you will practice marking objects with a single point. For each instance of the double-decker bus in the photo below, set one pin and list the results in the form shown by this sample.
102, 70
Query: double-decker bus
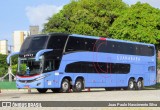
62, 62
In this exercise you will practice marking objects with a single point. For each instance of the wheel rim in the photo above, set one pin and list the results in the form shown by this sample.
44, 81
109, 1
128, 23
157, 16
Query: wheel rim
139, 84
65, 86
131, 85
78, 85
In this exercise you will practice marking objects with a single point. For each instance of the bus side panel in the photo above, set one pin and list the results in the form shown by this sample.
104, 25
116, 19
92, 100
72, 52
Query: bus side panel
52, 81
150, 75
121, 80
153, 78
110, 80
95, 80
147, 79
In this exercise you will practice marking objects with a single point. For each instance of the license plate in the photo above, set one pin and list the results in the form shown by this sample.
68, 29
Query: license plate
26, 86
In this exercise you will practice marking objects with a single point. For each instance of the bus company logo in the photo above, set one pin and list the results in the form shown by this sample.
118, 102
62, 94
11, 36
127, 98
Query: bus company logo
28, 55
98, 46
128, 58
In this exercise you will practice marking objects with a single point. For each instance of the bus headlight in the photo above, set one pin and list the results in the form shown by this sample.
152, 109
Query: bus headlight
41, 77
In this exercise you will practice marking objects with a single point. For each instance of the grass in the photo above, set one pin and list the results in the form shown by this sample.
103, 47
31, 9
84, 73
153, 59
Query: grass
8, 85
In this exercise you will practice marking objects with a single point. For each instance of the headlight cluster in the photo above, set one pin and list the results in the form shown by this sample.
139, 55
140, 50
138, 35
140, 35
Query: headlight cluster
41, 77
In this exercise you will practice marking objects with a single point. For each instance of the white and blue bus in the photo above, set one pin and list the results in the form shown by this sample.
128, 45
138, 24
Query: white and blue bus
62, 62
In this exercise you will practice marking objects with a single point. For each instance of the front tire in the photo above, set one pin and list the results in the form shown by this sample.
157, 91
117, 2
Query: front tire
78, 85
65, 86
42, 90
131, 84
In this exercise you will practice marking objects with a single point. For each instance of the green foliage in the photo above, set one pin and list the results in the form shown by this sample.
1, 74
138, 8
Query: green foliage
140, 22
112, 18
3, 65
2, 71
88, 17
14, 59
158, 64
22, 68
14, 69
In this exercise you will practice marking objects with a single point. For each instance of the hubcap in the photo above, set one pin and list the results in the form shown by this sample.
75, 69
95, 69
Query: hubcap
139, 84
65, 86
78, 85
131, 84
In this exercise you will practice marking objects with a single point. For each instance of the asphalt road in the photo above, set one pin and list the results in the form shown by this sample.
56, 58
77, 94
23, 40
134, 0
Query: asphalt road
93, 95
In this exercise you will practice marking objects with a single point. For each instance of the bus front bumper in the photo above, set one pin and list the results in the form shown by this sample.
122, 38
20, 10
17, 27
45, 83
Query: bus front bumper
29, 84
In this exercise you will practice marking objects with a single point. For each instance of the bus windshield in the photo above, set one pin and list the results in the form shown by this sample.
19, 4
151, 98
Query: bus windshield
28, 66
32, 44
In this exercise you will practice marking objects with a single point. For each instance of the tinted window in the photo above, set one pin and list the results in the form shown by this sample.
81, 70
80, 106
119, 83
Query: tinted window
89, 44
38, 43
97, 67
76, 44
34, 43
101, 46
25, 44
124, 48
86, 44
57, 42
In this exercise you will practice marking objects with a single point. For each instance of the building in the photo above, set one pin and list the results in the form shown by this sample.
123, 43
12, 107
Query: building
18, 39
34, 30
4, 47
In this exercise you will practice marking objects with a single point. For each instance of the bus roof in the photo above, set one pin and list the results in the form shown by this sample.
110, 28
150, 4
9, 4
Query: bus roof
110, 39
94, 37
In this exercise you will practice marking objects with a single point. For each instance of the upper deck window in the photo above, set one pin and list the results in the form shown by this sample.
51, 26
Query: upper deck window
107, 46
38, 43
34, 43
57, 42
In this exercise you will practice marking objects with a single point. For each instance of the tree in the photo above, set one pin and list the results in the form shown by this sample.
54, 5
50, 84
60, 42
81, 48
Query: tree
3, 65
140, 22
89, 17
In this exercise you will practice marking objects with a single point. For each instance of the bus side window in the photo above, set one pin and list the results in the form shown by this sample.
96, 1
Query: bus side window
75, 44
90, 44
49, 65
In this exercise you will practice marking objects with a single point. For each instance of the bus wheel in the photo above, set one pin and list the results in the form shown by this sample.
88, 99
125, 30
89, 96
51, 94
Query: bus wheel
42, 90
131, 84
139, 84
78, 85
65, 86
56, 90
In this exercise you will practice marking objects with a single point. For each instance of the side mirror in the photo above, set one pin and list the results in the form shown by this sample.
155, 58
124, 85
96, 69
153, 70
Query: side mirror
10, 55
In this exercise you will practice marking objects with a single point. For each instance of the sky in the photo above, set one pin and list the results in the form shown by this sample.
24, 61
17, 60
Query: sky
20, 14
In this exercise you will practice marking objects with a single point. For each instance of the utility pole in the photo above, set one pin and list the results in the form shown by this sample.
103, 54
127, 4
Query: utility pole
10, 66
10, 48
10, 74
10, 71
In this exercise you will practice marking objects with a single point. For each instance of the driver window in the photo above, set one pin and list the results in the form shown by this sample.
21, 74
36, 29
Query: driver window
49, 65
